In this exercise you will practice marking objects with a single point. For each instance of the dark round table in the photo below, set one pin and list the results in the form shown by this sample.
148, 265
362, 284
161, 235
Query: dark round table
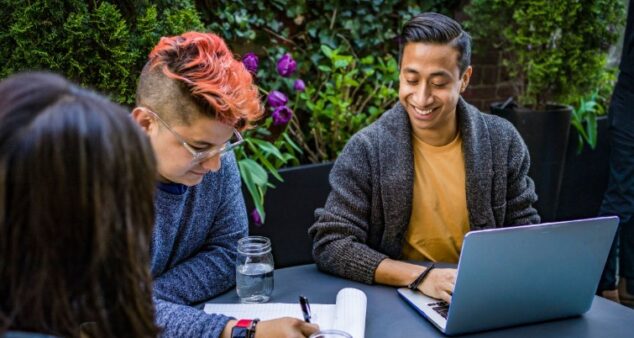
389, 316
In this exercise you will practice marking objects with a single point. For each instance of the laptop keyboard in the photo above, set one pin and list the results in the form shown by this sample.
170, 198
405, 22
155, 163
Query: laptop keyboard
441, 307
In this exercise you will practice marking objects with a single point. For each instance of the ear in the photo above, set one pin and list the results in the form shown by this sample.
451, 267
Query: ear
466, 76
143, 118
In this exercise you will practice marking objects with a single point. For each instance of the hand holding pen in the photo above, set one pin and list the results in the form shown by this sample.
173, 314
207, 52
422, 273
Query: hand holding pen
288, 326
303, 302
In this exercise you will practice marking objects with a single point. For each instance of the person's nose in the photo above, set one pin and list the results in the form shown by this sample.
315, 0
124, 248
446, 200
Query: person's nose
423, 96
211, 164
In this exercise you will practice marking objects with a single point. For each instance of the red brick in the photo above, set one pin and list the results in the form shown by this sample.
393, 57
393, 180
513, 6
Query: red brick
476, 76
503, 74
489, 57
480, 92
487, 75
504, 91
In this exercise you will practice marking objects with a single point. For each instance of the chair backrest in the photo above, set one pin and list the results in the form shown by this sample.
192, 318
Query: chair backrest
290, 209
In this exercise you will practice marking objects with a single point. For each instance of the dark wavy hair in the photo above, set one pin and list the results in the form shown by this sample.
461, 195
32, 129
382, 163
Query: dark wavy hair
436, 28
77, 181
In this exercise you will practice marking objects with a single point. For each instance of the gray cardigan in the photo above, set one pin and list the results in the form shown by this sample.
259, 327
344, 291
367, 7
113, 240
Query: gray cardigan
367, 213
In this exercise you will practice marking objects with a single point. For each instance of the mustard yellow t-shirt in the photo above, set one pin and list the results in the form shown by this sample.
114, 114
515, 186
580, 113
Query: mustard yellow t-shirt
439, 218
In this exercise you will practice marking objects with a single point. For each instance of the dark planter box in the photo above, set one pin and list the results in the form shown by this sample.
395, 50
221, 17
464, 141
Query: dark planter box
290, 209
585, 176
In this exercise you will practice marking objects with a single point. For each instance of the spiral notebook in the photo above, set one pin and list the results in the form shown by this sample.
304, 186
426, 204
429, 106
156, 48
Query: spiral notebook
347, 314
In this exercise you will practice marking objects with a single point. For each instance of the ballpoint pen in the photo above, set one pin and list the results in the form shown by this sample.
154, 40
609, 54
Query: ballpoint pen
303, 302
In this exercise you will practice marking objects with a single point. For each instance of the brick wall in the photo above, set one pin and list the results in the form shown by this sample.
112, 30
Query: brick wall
489, 82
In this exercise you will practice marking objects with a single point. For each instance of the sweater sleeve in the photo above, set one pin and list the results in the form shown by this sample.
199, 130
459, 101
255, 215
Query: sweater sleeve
184, 321
341, 228
521, 189
211, 270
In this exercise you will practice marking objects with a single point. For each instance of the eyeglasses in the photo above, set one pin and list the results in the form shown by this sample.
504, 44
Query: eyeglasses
202, 155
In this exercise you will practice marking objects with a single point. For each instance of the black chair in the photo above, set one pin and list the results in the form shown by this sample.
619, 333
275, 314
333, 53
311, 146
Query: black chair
290, 209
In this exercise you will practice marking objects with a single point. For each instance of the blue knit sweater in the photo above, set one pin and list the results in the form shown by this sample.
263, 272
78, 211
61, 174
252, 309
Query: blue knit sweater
194, 250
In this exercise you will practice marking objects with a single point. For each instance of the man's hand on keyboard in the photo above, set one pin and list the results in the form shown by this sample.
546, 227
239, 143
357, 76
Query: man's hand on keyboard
439, 284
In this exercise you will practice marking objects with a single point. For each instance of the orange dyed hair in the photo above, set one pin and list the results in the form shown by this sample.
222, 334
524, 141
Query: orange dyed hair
219, 83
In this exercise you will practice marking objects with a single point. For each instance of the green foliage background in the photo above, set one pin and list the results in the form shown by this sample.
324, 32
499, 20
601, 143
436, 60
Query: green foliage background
555, 51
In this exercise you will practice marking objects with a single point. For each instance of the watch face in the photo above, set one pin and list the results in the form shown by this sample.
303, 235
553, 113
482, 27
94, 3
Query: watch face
239, 332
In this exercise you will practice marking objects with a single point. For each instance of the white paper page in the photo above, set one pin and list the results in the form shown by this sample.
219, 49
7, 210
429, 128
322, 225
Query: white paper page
350, 312
347, 315
322, 314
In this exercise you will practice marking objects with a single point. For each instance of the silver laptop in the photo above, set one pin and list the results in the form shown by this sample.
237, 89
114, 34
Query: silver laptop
519, 275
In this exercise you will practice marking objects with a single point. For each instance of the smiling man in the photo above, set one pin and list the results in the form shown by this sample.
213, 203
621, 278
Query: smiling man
412, 184
193, 99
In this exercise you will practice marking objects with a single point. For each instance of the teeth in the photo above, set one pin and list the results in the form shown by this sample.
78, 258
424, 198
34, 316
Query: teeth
422, 112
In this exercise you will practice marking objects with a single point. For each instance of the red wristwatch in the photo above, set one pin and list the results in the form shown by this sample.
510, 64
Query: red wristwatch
245, 328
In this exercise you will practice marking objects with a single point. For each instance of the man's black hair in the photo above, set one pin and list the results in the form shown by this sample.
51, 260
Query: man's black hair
439, 29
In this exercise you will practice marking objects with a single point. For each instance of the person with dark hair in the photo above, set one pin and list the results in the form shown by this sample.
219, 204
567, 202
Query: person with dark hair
432, 168
619, 196
77, 180
193, 99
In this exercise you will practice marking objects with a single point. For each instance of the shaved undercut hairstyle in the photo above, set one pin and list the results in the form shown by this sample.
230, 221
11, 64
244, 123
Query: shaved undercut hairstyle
198, 70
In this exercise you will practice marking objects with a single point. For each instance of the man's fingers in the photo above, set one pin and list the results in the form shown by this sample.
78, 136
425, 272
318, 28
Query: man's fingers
449, 287
446, 296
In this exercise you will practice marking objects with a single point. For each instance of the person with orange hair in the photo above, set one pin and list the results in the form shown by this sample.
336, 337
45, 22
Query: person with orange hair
193, 99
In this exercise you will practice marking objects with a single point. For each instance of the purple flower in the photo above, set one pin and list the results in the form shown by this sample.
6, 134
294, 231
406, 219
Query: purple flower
251, 62
276, 99
286, 65
299, 85
281, 115
255, 216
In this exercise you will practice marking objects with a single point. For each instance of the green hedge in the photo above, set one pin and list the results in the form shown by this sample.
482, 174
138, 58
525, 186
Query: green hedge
96, 46
555, 51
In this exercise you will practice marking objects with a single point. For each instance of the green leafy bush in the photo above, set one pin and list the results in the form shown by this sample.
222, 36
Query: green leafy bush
555, 51
349, 94
98, 46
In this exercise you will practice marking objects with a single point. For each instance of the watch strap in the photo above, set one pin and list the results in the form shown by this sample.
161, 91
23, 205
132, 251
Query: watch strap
244, 328
254, 322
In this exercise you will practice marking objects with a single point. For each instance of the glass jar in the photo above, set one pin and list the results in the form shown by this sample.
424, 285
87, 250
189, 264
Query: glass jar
254, 269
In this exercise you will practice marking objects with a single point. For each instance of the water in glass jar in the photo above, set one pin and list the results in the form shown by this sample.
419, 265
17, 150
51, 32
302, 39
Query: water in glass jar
254, 282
